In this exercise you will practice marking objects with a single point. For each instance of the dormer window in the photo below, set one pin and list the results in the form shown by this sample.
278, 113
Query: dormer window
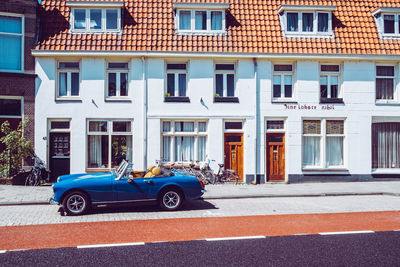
88, 17
200, 19
388, 22
306, 21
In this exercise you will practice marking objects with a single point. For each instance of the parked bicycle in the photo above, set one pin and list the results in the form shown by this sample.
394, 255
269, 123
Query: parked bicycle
39, 173
225, 175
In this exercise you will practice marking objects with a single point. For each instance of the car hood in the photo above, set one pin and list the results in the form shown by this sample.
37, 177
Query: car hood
84, 176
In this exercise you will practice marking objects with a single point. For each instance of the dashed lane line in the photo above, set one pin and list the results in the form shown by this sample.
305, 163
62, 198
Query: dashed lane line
234, 238
112, 245
347, 232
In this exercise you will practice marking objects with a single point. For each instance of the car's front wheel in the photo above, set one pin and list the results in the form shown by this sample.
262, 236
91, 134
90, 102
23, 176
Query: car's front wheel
170, 199
76, 203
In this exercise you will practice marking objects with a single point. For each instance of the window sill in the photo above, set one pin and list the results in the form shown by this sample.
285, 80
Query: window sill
386, 171
178, 32
309, 35
387, 102
118, 99
284, 100
331, 101
318, 169
69, 98
176, 99
226, 100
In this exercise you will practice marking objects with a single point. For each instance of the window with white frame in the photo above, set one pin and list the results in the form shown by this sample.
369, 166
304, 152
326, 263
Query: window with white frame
68, 79
307, 23
176, 79
117, 79
323, 143
11, 42
184, 141
225, 80
387, 21
329, 83
283, 82
95, 20
200, 21
109, 142
385, 83
386, 145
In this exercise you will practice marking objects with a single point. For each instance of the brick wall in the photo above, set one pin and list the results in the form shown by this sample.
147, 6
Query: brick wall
23, 84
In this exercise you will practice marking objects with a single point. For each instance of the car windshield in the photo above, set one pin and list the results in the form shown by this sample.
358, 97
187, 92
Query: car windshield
123, 169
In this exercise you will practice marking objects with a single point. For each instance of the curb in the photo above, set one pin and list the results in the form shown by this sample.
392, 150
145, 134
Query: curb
28, 203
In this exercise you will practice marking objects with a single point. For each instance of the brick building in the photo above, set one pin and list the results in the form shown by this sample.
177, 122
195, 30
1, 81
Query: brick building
17, 65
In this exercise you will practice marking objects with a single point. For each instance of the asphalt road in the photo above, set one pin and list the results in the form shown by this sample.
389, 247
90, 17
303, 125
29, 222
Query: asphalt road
366, 249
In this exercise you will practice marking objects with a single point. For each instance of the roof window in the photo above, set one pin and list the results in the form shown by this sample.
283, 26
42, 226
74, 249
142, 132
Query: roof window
94, 16
200, 19
388, 22
306, 21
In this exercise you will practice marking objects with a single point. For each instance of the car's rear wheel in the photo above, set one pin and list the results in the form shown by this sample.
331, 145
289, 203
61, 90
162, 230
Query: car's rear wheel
170, 199
76, 203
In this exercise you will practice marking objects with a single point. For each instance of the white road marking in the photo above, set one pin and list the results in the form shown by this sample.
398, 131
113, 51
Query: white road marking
235, 238
112, 245
397, 230
3, 251
301, 234
348, 232
157, 242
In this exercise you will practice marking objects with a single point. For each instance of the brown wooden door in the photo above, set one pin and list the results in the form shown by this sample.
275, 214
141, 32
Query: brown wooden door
276, 157
234, 153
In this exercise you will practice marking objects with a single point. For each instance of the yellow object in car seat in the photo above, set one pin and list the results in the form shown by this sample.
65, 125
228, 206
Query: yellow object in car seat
148, 175
156, 171
150, 168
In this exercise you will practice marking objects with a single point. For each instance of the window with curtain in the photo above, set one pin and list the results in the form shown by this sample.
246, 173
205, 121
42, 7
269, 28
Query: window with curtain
68, 79
388, 24
323, 143
184, 141
201, 21
95, 19
329, 82
292, 22
385, 79
308, 22
224, 80
176, 79
117, 79
386, 145
323, 22
282, 81
216, 20
109, 142
11, 40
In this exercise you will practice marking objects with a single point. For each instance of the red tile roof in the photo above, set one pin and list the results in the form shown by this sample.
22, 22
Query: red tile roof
253, 28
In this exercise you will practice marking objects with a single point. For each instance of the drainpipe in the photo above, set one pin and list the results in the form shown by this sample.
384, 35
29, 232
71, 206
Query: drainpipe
256, 139
144, 64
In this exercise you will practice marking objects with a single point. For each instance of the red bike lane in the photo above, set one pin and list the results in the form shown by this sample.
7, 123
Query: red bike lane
185, 229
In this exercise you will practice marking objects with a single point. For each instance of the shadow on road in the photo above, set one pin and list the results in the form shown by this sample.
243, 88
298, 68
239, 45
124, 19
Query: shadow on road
189, 205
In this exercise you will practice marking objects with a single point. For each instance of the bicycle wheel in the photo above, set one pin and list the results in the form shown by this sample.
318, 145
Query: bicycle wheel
29, 181
230, 176
210, 177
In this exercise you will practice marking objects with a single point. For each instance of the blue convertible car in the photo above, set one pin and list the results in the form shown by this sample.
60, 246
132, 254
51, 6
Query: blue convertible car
79, 192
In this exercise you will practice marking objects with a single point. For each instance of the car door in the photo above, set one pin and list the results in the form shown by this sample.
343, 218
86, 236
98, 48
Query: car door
132, 190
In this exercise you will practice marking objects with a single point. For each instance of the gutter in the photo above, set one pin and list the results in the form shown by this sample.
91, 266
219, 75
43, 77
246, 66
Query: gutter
256, 139
145, 96
42, 53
